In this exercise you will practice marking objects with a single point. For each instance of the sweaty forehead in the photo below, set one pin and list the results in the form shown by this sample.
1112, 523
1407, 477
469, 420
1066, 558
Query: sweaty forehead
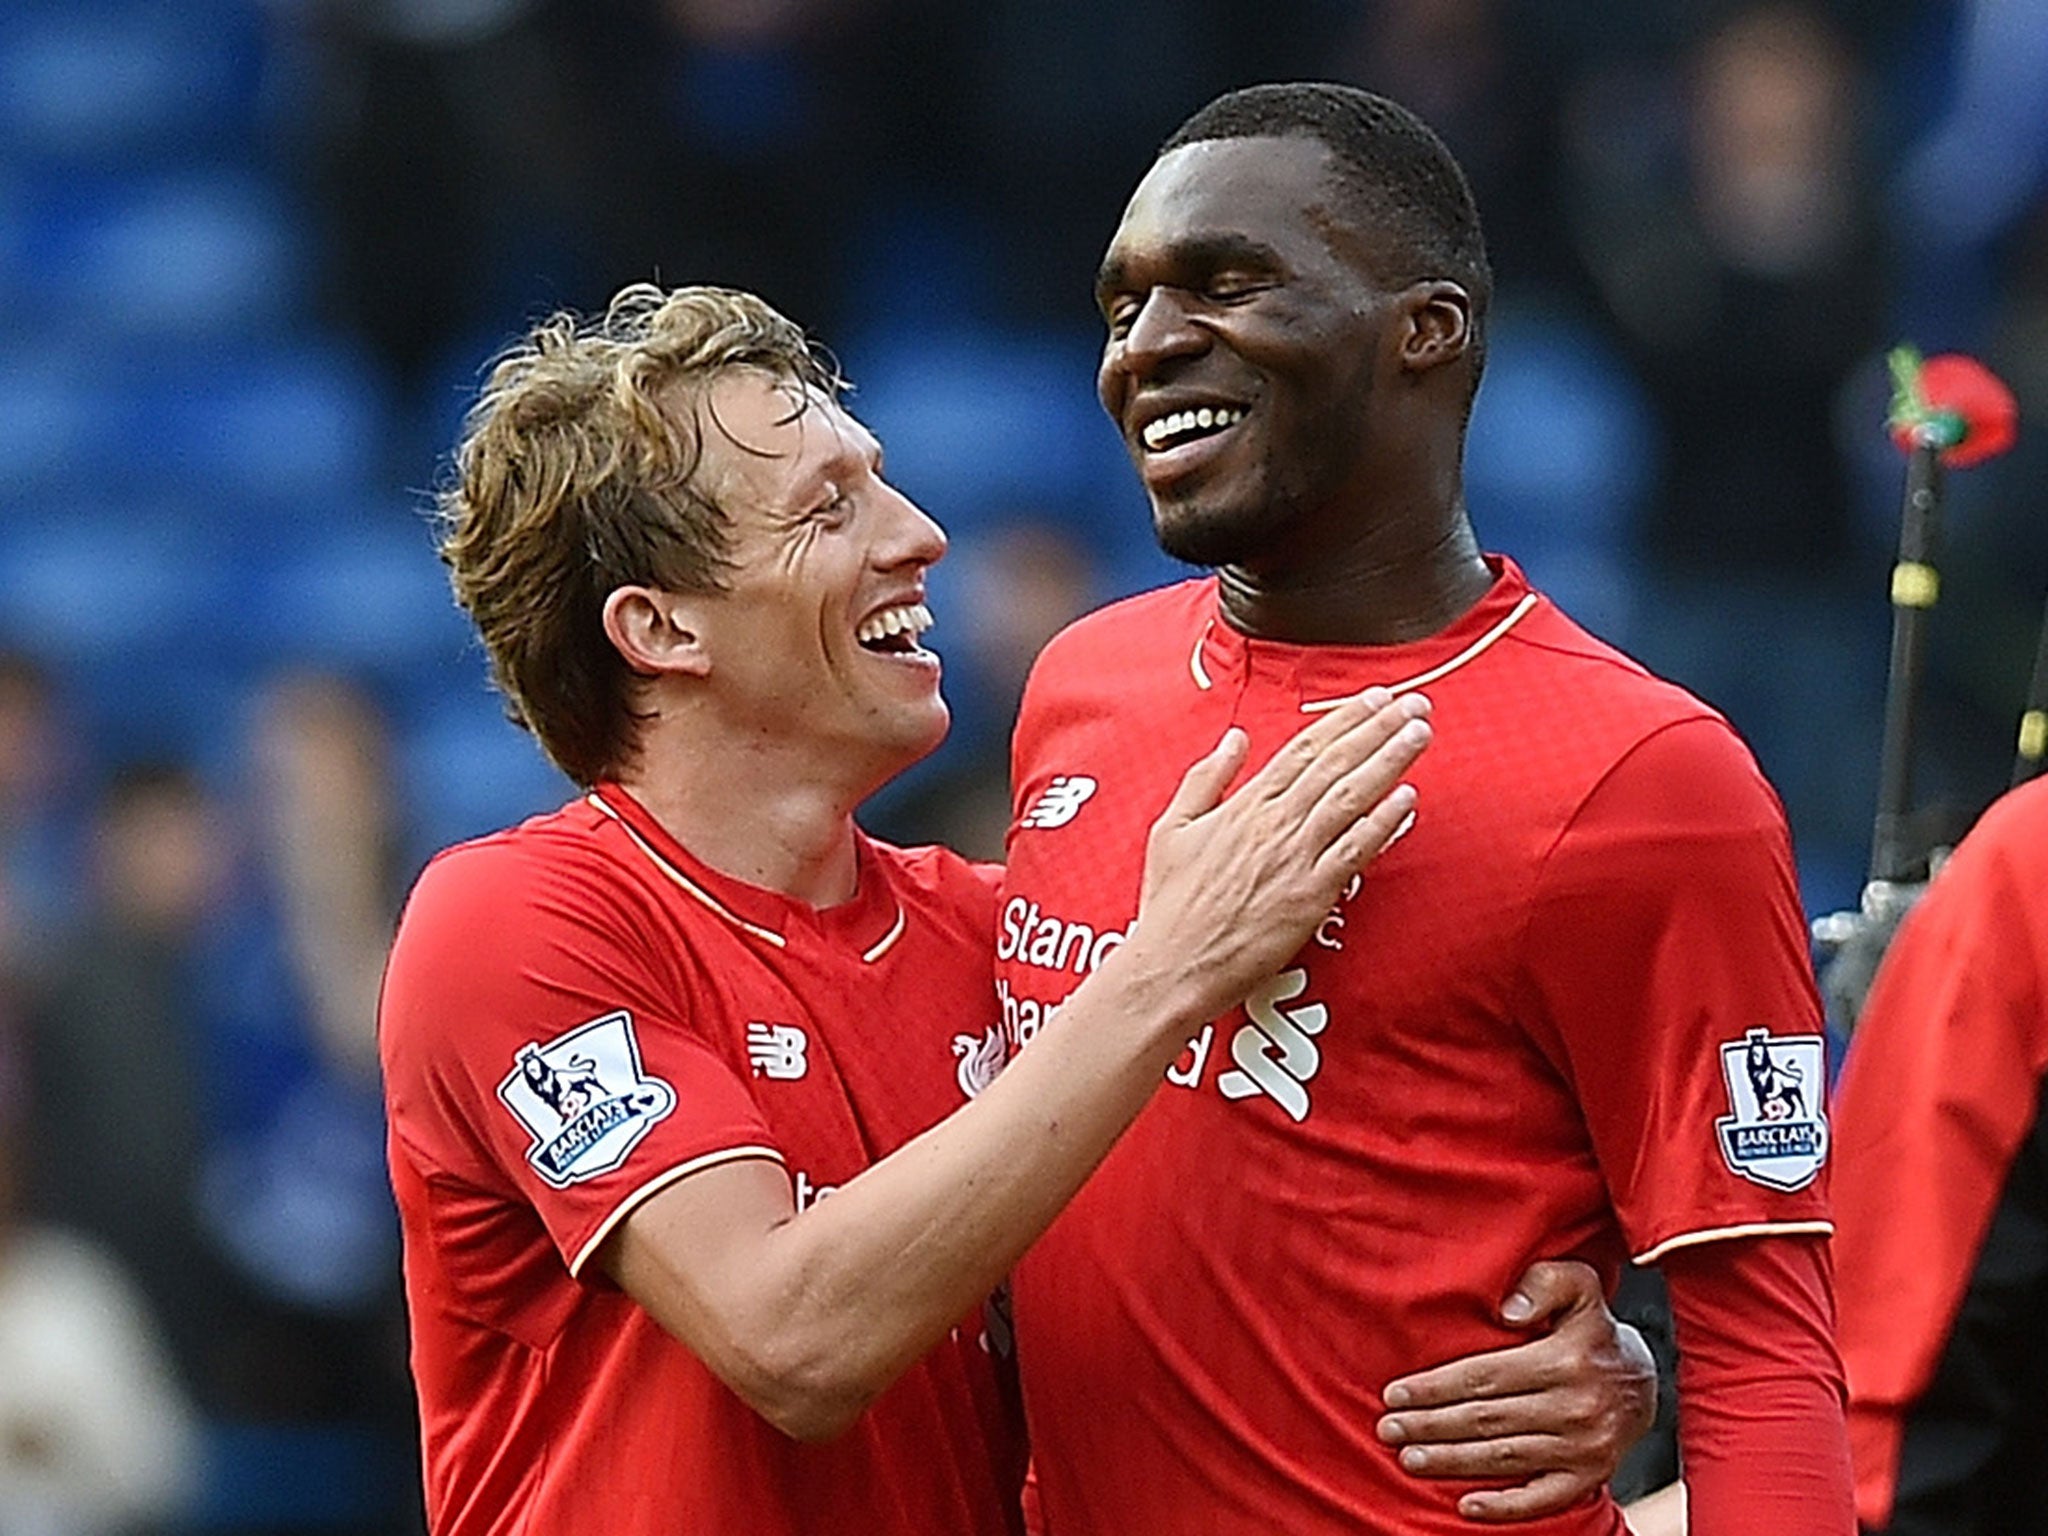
1204, 199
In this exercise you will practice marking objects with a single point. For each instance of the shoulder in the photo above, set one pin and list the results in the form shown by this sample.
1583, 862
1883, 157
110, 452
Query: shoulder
1131, 628
1123, 657
545, 905
1632, 731
2014, 827
491, 886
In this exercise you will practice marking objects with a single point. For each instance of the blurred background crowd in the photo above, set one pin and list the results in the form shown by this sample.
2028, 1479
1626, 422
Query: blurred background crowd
254, 254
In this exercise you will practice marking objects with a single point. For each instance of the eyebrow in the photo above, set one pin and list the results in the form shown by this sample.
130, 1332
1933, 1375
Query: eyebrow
854, 455
1200, 255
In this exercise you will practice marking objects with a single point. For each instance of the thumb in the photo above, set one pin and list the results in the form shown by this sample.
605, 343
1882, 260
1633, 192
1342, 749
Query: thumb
1551, 1288
1201, 787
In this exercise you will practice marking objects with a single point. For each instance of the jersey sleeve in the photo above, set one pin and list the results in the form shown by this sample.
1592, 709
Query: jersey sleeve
1760, 1394
1666, 953
534, 1051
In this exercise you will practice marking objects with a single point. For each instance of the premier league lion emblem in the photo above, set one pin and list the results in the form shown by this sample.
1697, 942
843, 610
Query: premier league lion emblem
584, 1099
1777, 1135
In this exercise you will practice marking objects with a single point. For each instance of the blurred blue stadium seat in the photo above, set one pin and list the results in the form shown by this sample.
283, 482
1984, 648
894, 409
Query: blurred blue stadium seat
982, 426
362, 597
120, 257
98, 580
267, 422
51, 412
258, 1477
98, 82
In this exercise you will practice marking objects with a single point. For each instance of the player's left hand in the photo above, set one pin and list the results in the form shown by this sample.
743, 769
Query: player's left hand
1558, 1412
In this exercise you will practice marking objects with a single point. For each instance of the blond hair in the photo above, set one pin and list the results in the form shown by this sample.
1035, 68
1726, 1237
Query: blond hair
578, 473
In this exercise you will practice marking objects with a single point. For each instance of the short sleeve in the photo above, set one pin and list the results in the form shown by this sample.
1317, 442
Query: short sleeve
1668, 961
537, 1050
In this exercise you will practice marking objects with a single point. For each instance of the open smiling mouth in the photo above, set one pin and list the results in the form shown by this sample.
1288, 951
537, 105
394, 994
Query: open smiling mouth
894, 631
1179, 428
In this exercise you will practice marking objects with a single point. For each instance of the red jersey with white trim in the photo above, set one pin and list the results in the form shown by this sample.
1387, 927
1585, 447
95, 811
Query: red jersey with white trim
577, 1013
1568, 1013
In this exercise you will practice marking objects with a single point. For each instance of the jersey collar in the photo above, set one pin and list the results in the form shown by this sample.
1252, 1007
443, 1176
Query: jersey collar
1324, 676
869, 924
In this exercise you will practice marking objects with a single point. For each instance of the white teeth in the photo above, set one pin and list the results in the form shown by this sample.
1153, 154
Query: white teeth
1158, 434
912, 618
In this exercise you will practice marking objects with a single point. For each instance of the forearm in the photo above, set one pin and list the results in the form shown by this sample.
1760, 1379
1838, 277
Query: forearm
814, 1319
810, 1314
1760, 1421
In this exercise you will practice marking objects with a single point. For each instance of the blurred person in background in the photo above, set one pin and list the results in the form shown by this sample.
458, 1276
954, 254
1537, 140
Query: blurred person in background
204, 1100
97, 1438
120, 1111
631, 1047
40, 835
1737, 255
103, 1290
1022, 583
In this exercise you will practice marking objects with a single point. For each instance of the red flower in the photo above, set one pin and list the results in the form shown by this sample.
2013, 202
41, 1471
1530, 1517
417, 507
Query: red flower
1954, 403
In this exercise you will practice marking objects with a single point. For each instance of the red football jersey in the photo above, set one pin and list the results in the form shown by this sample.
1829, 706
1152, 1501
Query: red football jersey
1939, 1092
1568, 1013
578, 1013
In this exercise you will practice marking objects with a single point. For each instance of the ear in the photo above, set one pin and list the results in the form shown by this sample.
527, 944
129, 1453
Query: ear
658, 633
1438, 324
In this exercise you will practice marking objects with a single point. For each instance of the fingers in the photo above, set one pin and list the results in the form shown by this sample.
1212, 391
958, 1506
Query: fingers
1201, 787
1367, 838
1510, 1456
1550, 1416
1371, 729
1352, 805
1662, 1513
1550, 1288
1545, 1495
1512, 1372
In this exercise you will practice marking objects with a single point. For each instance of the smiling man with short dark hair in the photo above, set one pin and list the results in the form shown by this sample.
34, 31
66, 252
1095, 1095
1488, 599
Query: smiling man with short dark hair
1523, 1032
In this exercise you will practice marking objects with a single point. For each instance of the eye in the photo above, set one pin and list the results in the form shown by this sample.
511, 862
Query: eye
1120, 314
1234, 287
834, 509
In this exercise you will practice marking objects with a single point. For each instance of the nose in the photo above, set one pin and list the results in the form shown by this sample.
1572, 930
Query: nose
914, 538
1160, 331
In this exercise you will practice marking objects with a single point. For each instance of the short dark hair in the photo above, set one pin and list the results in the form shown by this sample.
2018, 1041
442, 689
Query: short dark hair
1401, 176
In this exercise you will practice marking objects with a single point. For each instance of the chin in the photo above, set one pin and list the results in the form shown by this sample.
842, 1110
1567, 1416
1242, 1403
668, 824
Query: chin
1208, 536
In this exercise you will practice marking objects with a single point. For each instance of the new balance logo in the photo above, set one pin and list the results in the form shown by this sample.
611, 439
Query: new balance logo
777, 1051
1061, 802
1274, 1053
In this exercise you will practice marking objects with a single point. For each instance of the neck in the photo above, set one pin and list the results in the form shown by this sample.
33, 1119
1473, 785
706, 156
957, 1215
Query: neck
750, 816
1374, 591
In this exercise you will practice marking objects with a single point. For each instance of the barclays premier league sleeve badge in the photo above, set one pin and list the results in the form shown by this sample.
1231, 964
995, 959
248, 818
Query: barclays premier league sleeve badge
584, 1099
1778, 1133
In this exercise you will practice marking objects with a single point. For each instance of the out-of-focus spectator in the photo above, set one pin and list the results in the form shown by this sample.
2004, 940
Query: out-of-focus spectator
118, 1110
1747, 293
97, 1436
39, 856
294, 1191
